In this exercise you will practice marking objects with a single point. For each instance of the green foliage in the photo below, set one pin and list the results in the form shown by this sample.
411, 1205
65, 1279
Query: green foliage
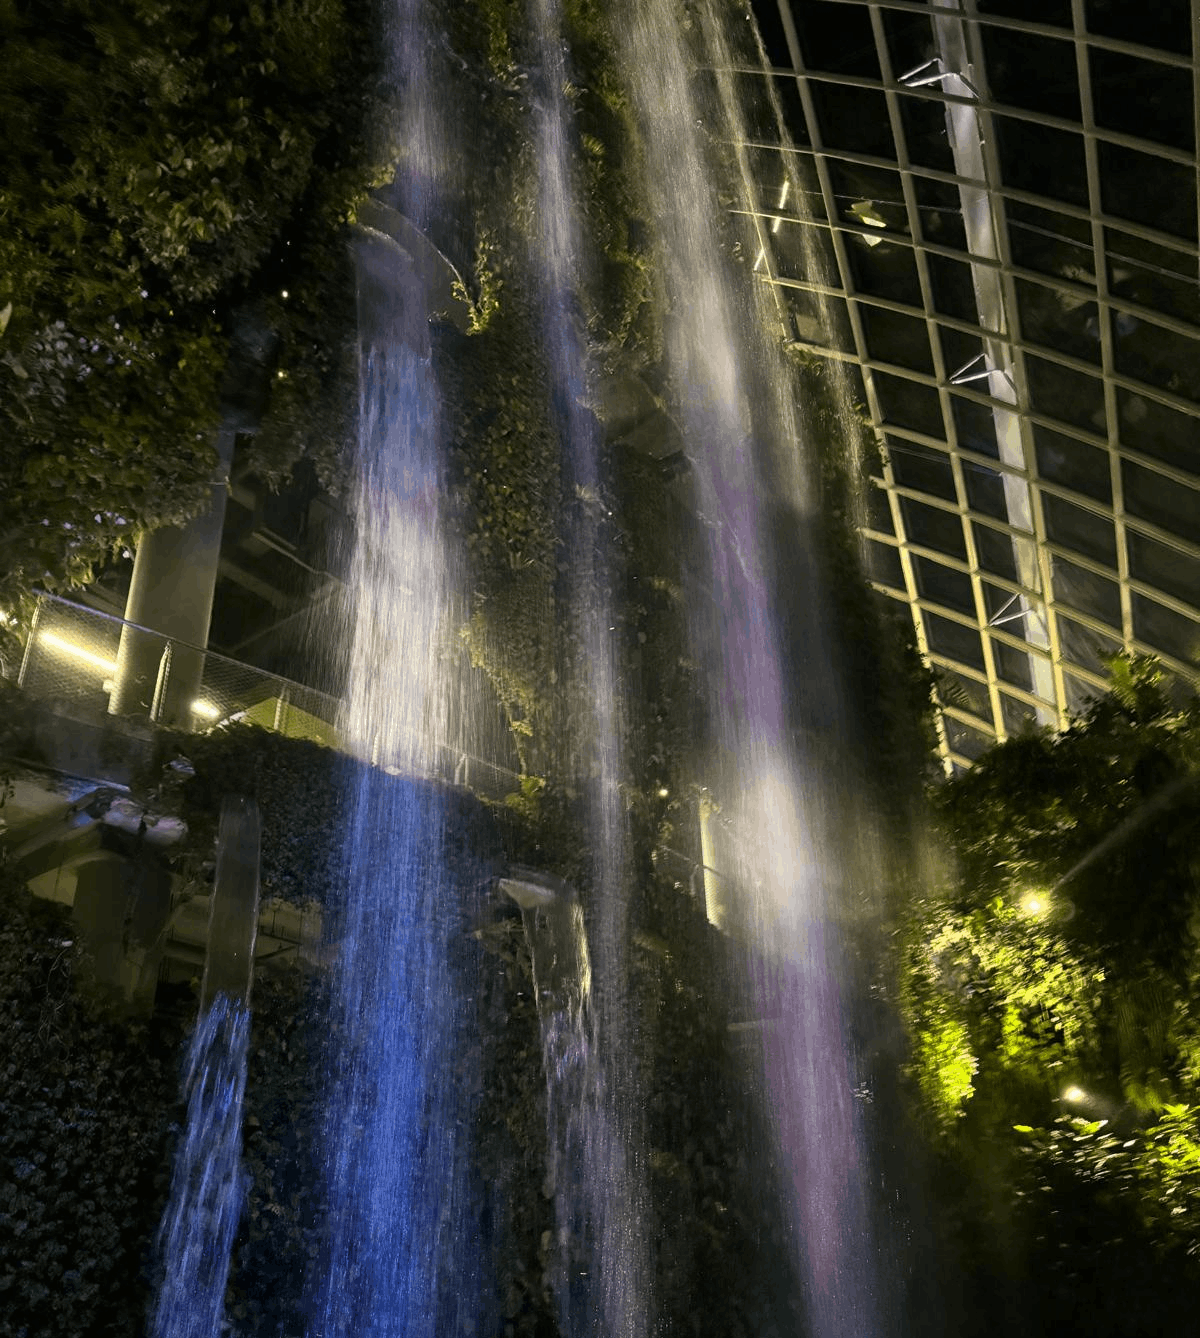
1155, 1171
1060, 970
85, 1106
158, 161
996, 996
301, 789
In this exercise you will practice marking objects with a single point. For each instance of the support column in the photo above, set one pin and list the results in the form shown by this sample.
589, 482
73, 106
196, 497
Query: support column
160, 661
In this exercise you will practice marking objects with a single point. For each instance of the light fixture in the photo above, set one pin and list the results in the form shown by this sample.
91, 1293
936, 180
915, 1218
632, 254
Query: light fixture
205, 710
1074, 1094
1035, 903
866, 212
79, 652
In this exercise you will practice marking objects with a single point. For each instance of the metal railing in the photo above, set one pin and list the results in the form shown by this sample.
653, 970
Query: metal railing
96, 667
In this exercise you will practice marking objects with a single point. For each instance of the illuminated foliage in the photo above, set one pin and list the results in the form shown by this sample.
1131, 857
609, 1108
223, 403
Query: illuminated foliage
163, 165
1052, 989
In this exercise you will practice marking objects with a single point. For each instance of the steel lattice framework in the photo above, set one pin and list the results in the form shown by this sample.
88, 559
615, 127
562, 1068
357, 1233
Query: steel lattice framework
1006, 210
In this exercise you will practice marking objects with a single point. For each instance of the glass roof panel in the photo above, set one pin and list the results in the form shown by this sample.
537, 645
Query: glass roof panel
1018, 716
933, 528
909, 404
1159, 277
1012, 664
879, 513
1154, 497
995, 549
923, 467
1058, 319
1164, 568
954, 641
892, 337
975, 425
985, 490
964, 692
883, 564
1160, 357
1165, 23
924, 122
967, 740
853, 119
887, 270
1143, 98
1034, 11
836, 37
1063, 393
939, 207
909, 40
1079, 530
1158, 431
1042, 159
953, 289
1073, 464
1166, 630
1148, 189
1031, 71
1083, 645
1079, 693
1050, 242
1077, 588
943, 585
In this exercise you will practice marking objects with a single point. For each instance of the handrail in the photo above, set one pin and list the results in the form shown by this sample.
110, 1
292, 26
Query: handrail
71, 658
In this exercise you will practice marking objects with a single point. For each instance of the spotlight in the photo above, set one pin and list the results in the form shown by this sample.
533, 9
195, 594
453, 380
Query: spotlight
1074, 1094
1035, 903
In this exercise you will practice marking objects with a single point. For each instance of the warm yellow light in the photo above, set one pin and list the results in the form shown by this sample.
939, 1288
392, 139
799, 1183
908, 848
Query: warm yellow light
663, 792
70, 648
1035, 903
205, 710
1074, 1094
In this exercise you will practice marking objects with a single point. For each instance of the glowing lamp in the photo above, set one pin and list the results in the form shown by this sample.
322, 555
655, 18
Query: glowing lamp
79, 652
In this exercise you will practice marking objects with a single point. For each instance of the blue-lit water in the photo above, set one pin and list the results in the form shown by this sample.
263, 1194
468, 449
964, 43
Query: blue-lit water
208, 1184
403, 1253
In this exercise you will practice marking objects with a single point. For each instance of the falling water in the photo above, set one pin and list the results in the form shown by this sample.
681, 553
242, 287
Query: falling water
207, 1189
601, 1287
400, 1256
776, 841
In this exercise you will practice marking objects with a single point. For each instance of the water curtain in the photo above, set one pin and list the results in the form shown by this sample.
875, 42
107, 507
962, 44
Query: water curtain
777, 839
208, 1184
601, 1265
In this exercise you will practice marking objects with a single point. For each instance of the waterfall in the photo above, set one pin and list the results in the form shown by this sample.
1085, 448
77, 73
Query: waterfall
207, 1189
590, 1105
400, 1255
208, 1186
777, 840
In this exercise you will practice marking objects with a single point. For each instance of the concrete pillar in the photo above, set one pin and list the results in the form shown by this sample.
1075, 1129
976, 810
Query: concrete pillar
175, 571
101, 906
233, 914
160, 661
